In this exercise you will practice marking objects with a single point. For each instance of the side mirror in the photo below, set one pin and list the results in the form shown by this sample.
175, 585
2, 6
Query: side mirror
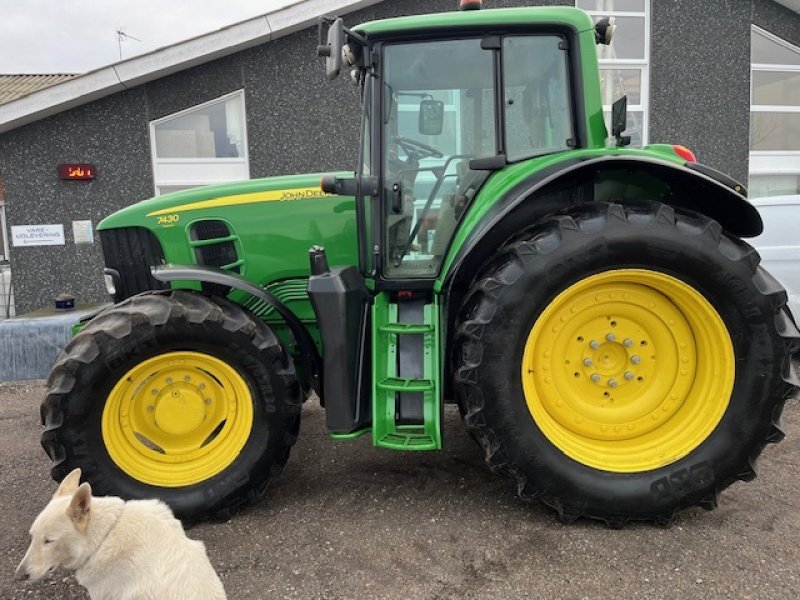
619, 121
431, 117
332, 51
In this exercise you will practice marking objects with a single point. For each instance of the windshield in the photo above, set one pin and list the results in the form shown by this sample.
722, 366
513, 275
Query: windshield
439, 112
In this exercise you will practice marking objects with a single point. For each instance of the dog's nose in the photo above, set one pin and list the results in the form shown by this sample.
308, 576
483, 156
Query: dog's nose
21, 574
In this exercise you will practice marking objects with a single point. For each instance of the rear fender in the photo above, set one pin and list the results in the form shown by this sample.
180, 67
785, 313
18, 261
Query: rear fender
609, 178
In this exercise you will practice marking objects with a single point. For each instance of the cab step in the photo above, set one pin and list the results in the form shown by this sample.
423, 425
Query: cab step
406, 410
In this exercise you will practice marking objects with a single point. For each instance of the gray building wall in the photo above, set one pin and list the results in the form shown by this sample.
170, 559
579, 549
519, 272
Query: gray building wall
700, 74
297, 121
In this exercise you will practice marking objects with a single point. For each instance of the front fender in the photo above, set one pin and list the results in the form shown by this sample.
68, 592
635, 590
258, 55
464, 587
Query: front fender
312, 362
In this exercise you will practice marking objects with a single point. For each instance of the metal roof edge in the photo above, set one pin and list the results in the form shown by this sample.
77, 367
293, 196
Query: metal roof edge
137, 70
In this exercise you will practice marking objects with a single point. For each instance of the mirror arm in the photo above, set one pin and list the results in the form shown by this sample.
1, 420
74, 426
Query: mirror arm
322, 48
357, 37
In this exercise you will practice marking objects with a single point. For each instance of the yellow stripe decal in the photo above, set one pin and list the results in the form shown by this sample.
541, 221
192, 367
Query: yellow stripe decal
252, 198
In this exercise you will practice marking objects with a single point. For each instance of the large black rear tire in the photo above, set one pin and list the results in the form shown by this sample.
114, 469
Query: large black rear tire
173, 395
506, 400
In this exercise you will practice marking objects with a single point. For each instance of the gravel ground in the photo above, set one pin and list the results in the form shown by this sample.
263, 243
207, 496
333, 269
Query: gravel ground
347, 520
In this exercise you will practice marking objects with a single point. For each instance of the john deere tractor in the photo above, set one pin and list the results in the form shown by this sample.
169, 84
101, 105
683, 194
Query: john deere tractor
610, 340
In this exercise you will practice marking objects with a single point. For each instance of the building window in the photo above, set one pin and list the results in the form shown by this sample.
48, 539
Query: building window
774, 115
624, 64
201, 145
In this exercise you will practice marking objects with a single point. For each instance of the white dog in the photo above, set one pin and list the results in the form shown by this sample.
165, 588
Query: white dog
119, 550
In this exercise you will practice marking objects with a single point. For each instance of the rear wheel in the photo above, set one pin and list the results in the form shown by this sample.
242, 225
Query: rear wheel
177, 396
624, 363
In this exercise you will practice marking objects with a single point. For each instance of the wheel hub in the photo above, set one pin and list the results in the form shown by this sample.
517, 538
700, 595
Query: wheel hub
179, 411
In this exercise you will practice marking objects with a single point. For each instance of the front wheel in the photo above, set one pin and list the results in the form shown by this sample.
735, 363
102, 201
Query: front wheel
176, 396
623, 363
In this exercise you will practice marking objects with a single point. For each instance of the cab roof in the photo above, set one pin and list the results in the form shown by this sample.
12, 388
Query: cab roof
477, 19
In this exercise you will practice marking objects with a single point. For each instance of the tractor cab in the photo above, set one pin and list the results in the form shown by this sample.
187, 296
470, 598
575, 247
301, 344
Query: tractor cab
444, 106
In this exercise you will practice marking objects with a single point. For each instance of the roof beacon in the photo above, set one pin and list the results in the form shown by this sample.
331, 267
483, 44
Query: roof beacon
470, 4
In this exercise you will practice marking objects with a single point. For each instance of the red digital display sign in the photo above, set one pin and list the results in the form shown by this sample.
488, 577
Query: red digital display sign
79, 171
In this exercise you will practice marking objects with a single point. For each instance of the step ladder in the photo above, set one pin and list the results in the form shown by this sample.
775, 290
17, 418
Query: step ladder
406, 403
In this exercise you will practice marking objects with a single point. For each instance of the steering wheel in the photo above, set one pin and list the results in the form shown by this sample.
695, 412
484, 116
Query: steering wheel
418, 149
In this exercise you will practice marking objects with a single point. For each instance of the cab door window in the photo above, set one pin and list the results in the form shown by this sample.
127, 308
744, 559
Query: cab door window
439, 112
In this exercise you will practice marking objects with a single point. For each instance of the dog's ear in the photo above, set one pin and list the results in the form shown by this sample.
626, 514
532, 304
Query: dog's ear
79, 506
69, 484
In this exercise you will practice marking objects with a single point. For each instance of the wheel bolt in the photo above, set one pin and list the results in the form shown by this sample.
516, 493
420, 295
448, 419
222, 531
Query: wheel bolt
628, 375
208, 400
154, 392
595, 377
202, 386
635, 359
587, 362
628, 342
611, 337
169, 379
594, 344
151, 408
186, 379
612, 383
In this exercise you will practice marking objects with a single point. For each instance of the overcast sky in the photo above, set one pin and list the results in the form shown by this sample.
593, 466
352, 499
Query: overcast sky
74, 36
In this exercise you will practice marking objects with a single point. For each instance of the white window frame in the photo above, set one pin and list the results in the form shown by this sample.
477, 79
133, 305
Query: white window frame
198, 170
4, 231
768, 162
641, 64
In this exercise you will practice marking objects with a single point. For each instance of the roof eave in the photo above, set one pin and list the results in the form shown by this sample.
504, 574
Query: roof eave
159, 63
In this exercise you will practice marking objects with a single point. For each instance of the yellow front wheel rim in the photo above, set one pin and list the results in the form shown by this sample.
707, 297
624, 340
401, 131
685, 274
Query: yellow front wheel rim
177, 419
628, 370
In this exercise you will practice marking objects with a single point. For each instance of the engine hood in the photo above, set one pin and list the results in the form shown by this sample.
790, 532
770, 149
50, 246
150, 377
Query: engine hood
169, 209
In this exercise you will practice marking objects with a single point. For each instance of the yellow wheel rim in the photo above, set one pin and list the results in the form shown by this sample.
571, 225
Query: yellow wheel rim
177, 419
628, 370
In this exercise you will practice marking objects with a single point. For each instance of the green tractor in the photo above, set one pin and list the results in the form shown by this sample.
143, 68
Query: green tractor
610, 341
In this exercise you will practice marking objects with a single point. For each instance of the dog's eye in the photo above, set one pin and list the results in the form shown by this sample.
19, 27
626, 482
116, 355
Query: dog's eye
46, 541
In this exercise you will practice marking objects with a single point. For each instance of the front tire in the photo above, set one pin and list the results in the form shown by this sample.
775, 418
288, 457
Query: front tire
177, 396
623, 363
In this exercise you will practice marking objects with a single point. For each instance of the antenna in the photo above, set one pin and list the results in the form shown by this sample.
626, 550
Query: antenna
124, 37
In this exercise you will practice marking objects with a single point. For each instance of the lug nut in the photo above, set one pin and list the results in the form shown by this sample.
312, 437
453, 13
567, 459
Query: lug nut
169, 379
208, 400
611, 337
154, 392
635, 359
628, 375
628, 342
595, 377
612, 383
186, 378
202, 386
594, 344
151, 408
587, 362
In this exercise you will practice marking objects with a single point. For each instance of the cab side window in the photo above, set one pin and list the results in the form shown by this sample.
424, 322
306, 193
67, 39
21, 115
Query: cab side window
536, 106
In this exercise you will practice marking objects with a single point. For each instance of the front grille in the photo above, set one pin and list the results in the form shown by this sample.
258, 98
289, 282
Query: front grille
131, 251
